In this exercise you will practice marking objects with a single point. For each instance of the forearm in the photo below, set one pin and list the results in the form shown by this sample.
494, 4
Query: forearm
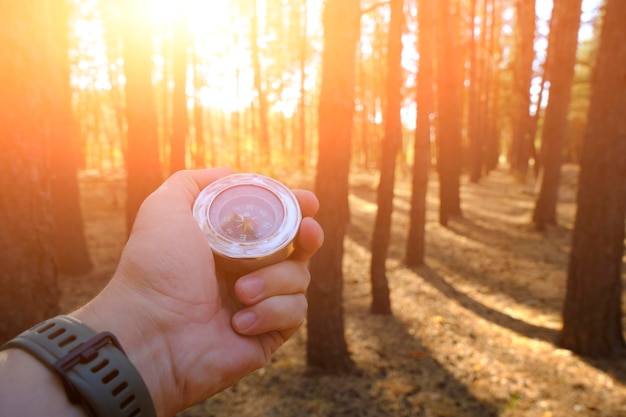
27, 387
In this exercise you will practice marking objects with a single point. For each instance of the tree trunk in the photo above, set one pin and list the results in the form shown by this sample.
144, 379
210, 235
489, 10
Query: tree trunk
301, 154
198, 117
592, 311
180, 124
143, 168
68, 235
475, 138
564, 36
492, 82
381, 304
415, 246
523, 73
449, 139
28, 77
326, 346
264, 140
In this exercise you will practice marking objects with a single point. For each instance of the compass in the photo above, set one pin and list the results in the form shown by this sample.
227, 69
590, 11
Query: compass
250, 221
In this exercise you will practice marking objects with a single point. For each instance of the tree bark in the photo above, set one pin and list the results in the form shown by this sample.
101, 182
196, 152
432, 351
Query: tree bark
381, 304
475, 137
416, 242
198, 118
143, 168
492, 146
27, 79
564, 36
523, 73
180, 123
449, 109
592, 311
326, 345
264, 139
68, 234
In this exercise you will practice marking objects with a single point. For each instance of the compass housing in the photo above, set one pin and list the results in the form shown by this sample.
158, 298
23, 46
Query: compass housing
250, 221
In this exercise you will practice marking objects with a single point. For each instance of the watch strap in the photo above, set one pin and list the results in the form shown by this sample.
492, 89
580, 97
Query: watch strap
95, 371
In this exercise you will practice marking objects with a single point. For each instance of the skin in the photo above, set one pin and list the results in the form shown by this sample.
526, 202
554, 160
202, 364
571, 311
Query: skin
189, 332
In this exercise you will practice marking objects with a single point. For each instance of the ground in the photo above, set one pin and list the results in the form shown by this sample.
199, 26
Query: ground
472, 332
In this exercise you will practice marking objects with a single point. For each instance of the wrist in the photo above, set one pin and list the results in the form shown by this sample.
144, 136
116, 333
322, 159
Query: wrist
138, 336
21, 373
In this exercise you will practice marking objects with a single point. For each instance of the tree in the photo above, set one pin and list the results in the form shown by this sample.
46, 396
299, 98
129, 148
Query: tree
264, 140
592, 308
475, 135
381, 304
326, 346
301, 30
27, 79
68, 233
143, 168
421, 159
564, 38
523, 72
449, 116
180, 122
489, 127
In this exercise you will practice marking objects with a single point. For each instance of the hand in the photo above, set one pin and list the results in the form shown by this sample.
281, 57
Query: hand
178, 322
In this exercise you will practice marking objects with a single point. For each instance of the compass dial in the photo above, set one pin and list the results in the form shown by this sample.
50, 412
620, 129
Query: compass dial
246, 213
250, 221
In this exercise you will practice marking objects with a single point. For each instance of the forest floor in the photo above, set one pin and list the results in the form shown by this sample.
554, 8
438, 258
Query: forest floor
472, 332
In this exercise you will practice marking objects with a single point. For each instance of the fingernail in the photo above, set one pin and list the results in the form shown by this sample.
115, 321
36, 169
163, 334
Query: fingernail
251, 287
244, 320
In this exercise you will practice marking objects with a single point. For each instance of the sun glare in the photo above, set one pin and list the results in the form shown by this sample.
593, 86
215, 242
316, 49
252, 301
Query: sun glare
219, 43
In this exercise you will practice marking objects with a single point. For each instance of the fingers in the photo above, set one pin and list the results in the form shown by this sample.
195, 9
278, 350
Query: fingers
274, 299
310, 239
176, 195
308, 202
189, 183
279, 313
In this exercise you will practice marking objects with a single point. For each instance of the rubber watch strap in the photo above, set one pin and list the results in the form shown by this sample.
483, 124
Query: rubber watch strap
95, 370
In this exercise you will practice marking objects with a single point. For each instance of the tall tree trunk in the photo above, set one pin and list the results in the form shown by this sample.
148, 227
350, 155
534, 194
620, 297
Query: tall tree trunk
564, 36
492, 81
264, 139
326, 345
523, 73
450, 113
198, 117
592, 311
301, 154
143, 168
180, 125
475, 138
415, 245
381, 304
68, 235
28, 77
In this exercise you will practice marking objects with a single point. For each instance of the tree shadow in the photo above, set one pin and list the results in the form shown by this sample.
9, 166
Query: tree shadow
396, 376
499, 263
495, 228
521, 327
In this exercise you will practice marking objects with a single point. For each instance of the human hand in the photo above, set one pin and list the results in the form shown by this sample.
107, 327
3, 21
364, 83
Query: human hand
188, 335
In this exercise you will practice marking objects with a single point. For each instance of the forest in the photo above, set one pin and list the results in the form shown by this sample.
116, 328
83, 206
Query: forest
469, 157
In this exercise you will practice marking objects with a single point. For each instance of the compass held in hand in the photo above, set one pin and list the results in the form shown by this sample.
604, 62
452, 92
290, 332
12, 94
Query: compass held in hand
249, 220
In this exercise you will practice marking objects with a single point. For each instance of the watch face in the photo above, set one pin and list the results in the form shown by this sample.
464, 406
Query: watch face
249, 220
